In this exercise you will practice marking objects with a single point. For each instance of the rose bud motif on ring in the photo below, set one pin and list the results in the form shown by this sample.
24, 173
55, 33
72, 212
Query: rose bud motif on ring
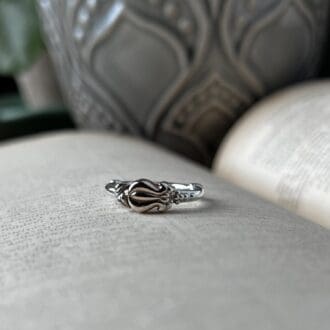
147, 196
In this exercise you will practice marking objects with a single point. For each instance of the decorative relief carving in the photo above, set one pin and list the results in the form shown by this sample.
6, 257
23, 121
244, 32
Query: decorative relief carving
179, 72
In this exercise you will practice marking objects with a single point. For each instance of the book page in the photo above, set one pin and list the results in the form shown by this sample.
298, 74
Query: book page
72, 257
280, 150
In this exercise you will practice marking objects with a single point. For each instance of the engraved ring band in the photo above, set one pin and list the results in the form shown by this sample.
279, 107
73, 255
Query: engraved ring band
146, 196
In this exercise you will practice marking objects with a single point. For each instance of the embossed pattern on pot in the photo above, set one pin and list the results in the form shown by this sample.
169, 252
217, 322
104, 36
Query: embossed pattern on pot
179, 72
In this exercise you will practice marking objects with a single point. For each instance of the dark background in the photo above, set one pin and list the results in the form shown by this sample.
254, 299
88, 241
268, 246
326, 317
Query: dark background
7, 86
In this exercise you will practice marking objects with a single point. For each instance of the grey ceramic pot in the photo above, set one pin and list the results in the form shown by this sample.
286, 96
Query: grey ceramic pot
179, 72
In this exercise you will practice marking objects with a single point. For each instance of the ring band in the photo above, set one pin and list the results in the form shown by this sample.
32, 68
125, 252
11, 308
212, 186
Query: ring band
144, 195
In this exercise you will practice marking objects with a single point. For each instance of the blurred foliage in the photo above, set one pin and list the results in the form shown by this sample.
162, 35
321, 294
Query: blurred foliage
20, 37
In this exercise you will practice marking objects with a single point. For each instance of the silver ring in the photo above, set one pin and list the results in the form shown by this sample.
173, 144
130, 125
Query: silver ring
144, 195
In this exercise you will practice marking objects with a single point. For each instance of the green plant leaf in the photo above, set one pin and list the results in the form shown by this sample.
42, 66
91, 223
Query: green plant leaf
20, 37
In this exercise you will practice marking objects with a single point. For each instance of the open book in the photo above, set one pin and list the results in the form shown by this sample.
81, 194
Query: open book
280, 150
72, 257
